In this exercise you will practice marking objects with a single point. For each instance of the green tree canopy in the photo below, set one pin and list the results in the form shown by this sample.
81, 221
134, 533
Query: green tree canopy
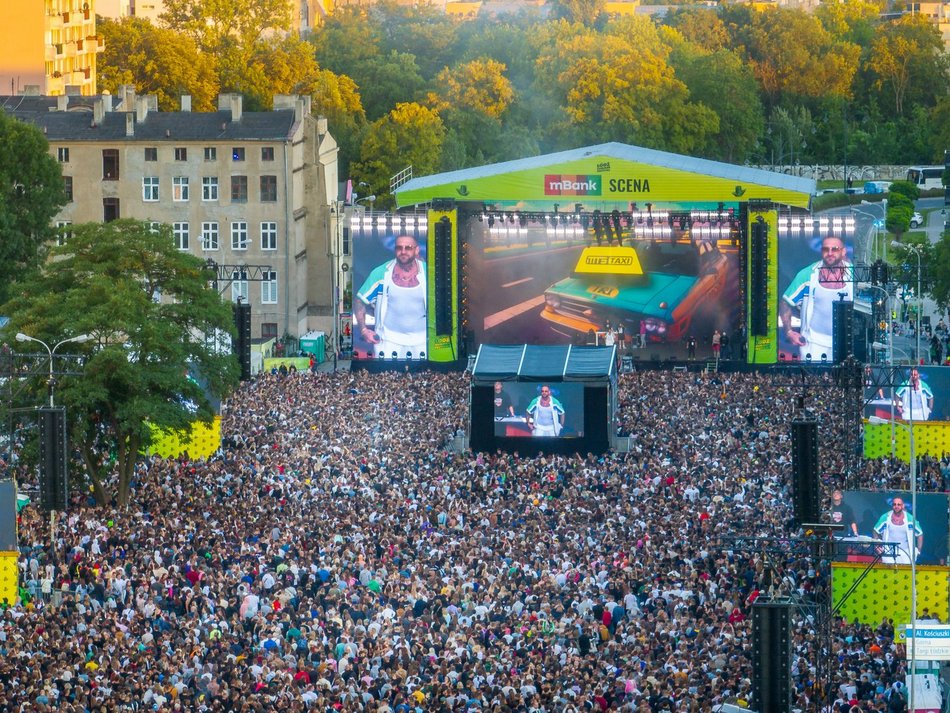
410, 135
31, 193
216, 24
156, 61
152, 313
479, 86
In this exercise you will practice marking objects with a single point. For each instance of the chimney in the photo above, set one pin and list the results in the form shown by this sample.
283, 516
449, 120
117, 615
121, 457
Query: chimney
152, 102
129, 124
236, 107
141, 109
321, 126
127, 97
186, 102
98, 111
62, 101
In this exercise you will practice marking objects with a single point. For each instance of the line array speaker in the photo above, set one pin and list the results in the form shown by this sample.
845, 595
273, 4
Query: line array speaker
805, 470
53, 475
242, 320
772, 656
842, 330
444, 287
759, 277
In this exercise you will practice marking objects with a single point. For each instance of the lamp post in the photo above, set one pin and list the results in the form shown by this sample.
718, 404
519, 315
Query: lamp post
874, 225
79, 339
909, 426
51, 351
915, 249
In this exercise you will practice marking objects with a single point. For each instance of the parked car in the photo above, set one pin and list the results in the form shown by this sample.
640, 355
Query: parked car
916, 220
672, 283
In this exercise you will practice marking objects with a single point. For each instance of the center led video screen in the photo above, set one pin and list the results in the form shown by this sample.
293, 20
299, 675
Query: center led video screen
538, 410
664, 290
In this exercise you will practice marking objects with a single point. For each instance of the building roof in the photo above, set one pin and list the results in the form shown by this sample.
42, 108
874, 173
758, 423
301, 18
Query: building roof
73, 125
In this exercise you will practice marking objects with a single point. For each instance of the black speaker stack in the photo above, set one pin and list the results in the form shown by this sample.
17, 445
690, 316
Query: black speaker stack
759, 277
805, 470
772, 656
444, 285
242, 320
54, 481
842, 330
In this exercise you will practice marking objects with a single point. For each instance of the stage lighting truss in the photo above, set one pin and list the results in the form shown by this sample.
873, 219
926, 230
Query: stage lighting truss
804, 225
412, 223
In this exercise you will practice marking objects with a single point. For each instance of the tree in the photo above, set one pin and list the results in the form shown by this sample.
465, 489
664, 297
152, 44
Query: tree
106, 280
908, 62
939, 272
156, 61
586, 12
214, 24
410, 135
900, 209
31, 193
479, 86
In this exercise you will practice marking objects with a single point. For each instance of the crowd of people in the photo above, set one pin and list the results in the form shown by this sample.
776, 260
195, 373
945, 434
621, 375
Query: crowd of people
335, 555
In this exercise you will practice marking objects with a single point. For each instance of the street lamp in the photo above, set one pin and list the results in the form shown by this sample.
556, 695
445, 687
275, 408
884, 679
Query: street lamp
371, 198
79, 339
915, 249
874, 224
909, 426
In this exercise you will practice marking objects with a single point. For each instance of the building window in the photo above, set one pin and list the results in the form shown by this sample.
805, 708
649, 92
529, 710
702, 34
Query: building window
110, 209
180, 188
211, 153
268, 189
345, 248
269, 288
153, 226
62, 153
181, 153
181, 233
239, 235
209, 188
151, 153
269, 330
150, 189
239, 189
110, 164
64, 231
239, 286
209, 236
237, 153
267, 153
68, 188
268, 236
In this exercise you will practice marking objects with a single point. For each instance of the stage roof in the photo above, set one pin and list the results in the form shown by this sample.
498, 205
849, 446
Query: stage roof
544, 363
608, 175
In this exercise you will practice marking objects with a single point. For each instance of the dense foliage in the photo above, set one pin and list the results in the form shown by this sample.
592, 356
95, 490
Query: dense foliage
850, 82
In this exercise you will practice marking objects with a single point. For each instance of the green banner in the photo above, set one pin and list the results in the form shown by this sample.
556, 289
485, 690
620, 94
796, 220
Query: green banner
764, 349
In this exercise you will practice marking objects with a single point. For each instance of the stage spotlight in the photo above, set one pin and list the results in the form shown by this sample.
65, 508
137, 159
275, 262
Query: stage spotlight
422, 356
409, 356
395, 355
382, 355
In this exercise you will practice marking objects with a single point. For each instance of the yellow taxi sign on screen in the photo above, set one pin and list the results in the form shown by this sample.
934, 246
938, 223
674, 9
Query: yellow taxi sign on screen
609, 261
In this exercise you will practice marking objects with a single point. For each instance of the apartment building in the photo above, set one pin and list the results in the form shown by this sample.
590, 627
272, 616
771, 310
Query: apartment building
250, 191
49, 45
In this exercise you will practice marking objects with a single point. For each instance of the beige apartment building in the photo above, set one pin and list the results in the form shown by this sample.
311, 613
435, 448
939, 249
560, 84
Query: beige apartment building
250, 191
50, 45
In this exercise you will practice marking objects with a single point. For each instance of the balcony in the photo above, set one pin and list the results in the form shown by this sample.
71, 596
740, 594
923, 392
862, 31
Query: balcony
54, 22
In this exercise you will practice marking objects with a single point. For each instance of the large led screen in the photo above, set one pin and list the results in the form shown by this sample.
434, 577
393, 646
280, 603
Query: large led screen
814, 272
539, 410
908, 393
389, 286
888, 516
662, 289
